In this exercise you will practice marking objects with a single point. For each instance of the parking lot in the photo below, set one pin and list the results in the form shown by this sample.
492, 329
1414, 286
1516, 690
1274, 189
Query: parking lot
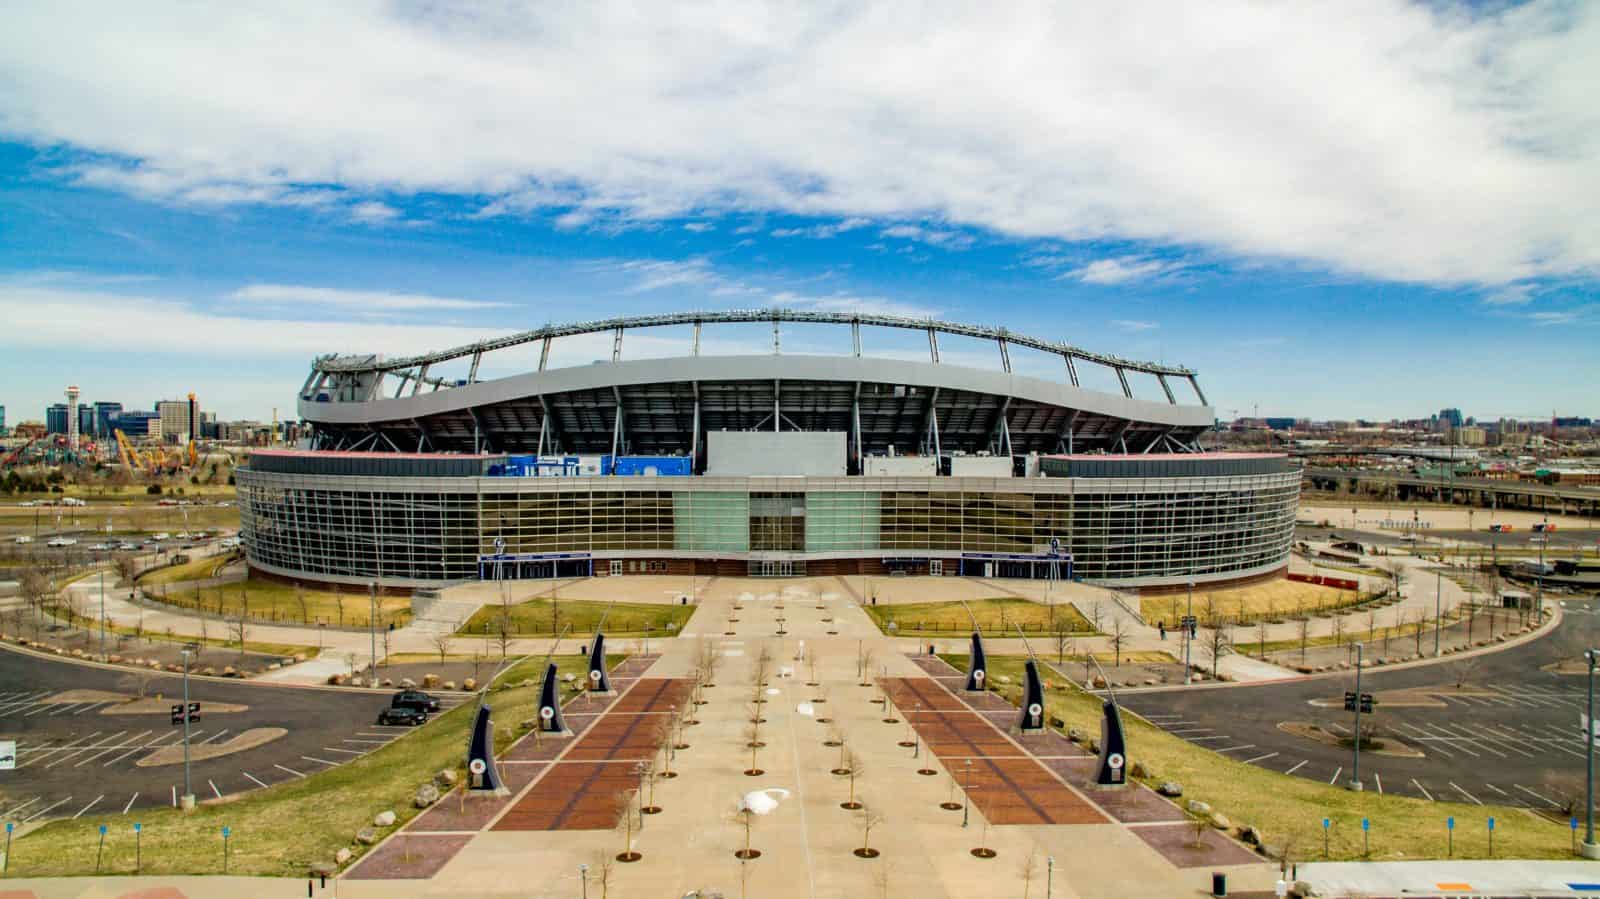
80, 754
1510, 735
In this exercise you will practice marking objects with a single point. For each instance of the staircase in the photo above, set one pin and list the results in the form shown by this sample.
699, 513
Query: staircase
442, 616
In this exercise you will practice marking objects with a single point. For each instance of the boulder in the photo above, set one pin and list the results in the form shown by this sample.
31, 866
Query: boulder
427, 795
366, 836
324, 869
1003, 678
77, 653
273, 666
407, 683
1250, 835
430, 680
1092, 746
208, 671
342, 856
299, 657
1057, 722
230, 671
388, 682
1097, 682
1139, 770
470, 683
1196, 807
336, 680
446, 778
383, 819
1221, 822
1302, 890
1075, 735
115, 660
1171, 789
449, 685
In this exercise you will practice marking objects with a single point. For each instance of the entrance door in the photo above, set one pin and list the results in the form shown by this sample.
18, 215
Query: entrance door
616, 567
785, 569
936, 567
988, 569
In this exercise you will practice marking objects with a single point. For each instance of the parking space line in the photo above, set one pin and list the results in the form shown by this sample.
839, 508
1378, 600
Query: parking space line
290, 770
214, 790
1379, 781
1185, 731
1497, 789
12, 812
1422, 788
71, 745
1259, 758
1336, 772
257, 780
311, 758
368, 742
1236, 748
210, 738
87, 807
43, 706
1545, 799
19, 704
1202, 739
83, 749
1465, 793
112, 748
1297, 767
45, 810
345, 751
131, 800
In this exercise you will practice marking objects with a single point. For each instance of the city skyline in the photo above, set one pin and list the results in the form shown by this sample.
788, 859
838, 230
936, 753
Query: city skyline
1309, 251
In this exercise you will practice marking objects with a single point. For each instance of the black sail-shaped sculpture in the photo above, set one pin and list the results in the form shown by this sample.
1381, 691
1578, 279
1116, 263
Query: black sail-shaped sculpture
978, 669
599, 680
482, 776
1032, 717
1112, 770
550, 721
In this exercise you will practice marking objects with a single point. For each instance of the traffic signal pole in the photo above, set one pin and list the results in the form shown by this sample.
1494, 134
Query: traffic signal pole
1355, 764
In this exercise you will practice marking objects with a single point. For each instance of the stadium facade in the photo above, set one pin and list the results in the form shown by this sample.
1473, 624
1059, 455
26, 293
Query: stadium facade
764, 464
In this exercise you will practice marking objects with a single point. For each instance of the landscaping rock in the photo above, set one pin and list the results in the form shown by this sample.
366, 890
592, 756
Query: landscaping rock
366, 836
449, 685
1097, 682
336, 680
430, 680
1196, 807
1075, 735
1139, 770
1221, 822
408, 683
446, 778
1092, 746
230, 672
325, 869
1250, 835
299, 657
427, 795
470, 683
1003, 678
340, 857
388, 682
1058, 722
1171, 789
1302, 890
383, 819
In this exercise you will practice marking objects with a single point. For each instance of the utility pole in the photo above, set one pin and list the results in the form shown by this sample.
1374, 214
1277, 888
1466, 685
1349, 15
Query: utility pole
102, 611
1438, 604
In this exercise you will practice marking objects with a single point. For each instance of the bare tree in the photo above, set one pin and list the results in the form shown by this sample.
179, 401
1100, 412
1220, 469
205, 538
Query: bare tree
1119, 638
1064, 644
1422, 625
746, 819
1096, 615
1336, 628
1028, 870
441, 644
503, 623
1261, 637
624, 802
1304, 625
752, 741
300, 599
1218, 643
1372, 625
855, 768
239, 629
604, 868
867, 817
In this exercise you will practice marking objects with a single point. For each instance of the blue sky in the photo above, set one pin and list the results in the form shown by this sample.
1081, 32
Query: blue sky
1376, 215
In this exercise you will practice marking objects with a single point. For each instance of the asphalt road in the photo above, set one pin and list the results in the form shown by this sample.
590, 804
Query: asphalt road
73, 760
1511, 738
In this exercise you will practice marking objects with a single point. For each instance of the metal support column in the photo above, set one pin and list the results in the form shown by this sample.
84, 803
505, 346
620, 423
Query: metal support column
1122, 378
472, 373
616, 427
855, 338
544, 433
616, 346
777, 415
694, 439
1072, 370
1195, 383
776, 346
1005, 356
405, 376
855, 427
933, 345
697, 338
1167, 389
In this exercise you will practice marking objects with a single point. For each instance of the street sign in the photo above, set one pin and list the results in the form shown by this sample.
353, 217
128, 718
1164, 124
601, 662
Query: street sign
1349, 700
177, 713
8, 755
1367, 702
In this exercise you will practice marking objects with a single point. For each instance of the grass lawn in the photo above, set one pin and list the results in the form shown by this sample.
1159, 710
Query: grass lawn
281, 830
270, 600
536, 616
194, 570
1289, 810
997, 617
1270, 599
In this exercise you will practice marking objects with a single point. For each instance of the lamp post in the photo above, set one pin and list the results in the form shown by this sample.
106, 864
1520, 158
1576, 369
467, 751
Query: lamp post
583, 874
1438, 601
372, 632
1589, 849
188, 790
1355, 742
1188, 614
966, 789
1049, 874
102, 611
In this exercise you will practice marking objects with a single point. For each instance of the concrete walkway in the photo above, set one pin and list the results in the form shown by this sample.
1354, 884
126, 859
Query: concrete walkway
1496, 878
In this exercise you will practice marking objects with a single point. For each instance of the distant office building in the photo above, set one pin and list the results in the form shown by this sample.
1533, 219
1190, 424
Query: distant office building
55, 419
137, 424
1572, 422
1468, 435
103, 414
2, 421
1450, 418
86, 421
1280, 424
175, 420
208, 425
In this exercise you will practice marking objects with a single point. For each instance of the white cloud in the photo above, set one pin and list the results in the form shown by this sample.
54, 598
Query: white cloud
823, 232
364, 301
1134, 325
699, 227
373, 213
950, 240
1414, 141
1120, 270
1510, 295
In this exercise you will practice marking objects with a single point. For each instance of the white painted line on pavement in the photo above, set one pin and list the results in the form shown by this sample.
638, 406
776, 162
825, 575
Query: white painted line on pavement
45, 810
1236, 748
345, 751
311, 758
1422, 789
87, 807
1336, 773
12, 812
214, 790
258, 781
174, 795
1202, 739
210, 738
1259, 758
1545, 799
1379, 781
290, 770
1465, 793
1297, 767
131, 800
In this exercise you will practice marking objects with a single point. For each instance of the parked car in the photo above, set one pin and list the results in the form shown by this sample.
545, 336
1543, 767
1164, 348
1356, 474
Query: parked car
162, 536
415, 699
61, 541
24, 539
127, 547
99, 547
403, 715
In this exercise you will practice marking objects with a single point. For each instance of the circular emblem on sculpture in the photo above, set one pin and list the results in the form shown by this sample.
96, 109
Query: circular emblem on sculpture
477, 766
547, 713
594, 676
1036, 710
978, 675
1114, 760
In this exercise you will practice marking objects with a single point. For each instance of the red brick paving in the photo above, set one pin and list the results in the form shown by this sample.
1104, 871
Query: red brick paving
409, 856
1174, 842
455, 812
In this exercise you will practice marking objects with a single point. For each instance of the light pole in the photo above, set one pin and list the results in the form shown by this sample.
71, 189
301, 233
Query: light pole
1589, 849
1049, 874
188, 790
583, 874
1438, 604
1355, 764
102, 611
1188, 615
966, 789
372, 632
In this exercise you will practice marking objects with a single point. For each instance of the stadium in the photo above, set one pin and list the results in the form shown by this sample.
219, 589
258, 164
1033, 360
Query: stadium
768, 464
